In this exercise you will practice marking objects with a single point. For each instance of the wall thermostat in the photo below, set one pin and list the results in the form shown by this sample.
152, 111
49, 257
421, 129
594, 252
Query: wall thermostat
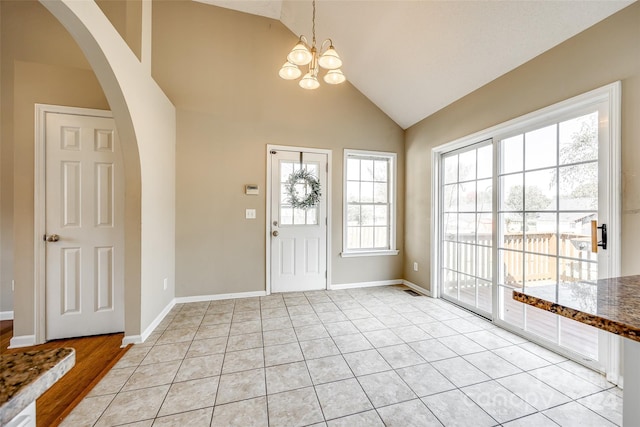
251, 190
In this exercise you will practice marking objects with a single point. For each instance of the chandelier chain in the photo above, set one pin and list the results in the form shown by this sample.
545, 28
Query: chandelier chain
313, 21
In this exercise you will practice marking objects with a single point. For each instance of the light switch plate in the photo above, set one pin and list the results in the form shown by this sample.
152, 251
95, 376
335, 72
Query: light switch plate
250, 214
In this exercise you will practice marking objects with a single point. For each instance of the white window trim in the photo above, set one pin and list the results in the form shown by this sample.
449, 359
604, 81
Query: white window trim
348, 253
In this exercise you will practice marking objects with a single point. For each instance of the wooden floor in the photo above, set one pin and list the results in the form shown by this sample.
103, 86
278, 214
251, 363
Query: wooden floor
94, 357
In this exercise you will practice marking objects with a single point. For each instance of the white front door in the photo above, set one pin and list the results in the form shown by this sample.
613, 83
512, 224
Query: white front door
298, 235
84, 226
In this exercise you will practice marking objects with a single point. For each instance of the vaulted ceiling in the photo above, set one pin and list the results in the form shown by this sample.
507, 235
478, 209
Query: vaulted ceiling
413, 57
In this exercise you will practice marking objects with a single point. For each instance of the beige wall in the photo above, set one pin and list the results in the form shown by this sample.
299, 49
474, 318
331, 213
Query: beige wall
126, 18
40, 64
605, 53
220, 69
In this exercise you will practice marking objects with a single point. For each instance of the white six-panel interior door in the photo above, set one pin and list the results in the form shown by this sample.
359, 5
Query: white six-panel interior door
298, 237
84, 236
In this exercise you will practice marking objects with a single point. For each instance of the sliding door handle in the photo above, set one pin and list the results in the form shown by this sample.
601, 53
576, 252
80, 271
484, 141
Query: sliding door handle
594, 236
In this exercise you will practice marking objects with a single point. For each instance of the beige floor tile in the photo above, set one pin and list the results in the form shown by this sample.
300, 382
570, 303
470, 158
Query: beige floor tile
294, 408
460, 372
133, 406
498, 402
215, 353
152, 375
283, 353
112, 382
212, 331
351, 343
171, 336
366, 362
190, 395
425, 380
342, 398
240, 386
287, 377
279, 336
311, 332
413, 413
363, 419
574, 414
207, 346
88, 411
606, 404
244, 342
454, 408
315, 349
166, 353
400, 356
386, 388
197, 418
200, 367
246, 413
243, 360
328, 369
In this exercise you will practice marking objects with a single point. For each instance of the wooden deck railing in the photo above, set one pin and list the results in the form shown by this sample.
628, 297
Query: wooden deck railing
543, 267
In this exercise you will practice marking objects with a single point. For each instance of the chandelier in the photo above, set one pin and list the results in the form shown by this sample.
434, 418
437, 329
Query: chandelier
303, 54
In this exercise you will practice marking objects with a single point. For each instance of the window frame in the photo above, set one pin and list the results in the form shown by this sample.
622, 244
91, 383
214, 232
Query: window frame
391, 158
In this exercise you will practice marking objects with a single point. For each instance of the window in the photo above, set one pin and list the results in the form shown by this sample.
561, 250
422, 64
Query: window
369, 203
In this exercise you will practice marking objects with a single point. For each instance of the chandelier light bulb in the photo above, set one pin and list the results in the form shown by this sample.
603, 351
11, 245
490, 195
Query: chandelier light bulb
289, 71
334, 77
309, 81
330, 60
300, 54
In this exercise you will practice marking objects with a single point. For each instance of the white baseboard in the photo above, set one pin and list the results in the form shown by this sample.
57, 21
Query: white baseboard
201, 298
341, 286
131, 339
22, 341
139, 339
6, 315
416, 288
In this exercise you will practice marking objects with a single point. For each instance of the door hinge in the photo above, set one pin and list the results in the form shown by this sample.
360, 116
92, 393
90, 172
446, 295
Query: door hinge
326, 166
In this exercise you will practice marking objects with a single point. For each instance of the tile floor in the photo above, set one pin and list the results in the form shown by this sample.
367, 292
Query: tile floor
362, 357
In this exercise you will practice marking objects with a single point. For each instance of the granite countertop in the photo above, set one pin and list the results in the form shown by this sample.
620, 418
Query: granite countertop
25, 376
611, 304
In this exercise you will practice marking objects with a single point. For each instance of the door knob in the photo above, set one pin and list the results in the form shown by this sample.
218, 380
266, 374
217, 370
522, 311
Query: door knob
52, 238
275, 233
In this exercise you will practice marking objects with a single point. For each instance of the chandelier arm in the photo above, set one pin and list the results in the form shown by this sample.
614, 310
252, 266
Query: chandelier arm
322, 46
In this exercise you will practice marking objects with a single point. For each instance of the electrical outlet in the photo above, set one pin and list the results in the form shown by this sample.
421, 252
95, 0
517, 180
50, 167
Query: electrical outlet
250, 214
415, 266
166, 283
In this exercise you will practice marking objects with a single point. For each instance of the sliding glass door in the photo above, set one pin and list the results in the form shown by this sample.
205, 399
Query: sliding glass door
526, 209
548, 199
466, 218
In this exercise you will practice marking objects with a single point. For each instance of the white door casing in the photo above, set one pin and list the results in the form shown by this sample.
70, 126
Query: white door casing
297, 238
84, 231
